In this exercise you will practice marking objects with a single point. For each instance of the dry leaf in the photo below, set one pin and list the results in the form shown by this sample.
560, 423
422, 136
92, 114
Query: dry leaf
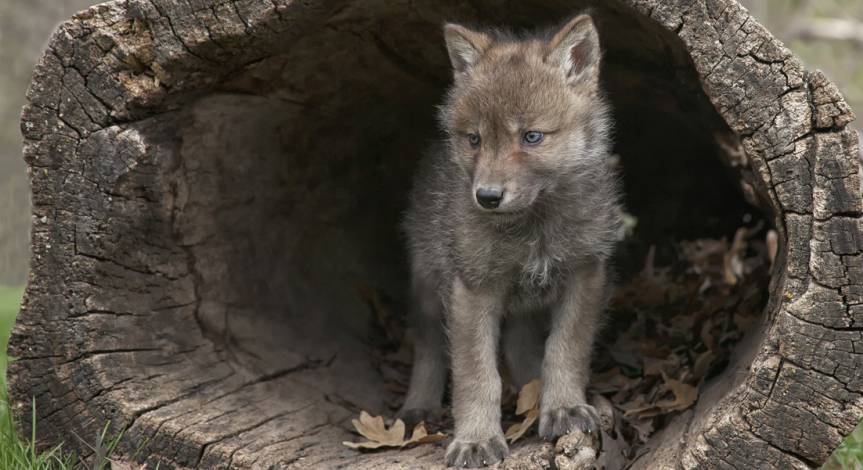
517, 430
657, 367
612, 380
732, 261
640, 409
528, 397
374, 429
772, 245
684, 395
702, 364
676, 321
527, 405
420, 436
644, 428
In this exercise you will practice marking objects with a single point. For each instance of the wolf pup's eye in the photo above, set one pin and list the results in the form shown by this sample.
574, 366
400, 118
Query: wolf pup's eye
473, 140
532, 137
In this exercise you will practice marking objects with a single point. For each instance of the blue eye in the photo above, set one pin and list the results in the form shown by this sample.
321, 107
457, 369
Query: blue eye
532, 137
473, 140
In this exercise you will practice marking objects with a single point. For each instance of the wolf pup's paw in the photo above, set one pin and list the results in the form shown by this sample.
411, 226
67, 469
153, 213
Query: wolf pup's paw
466, 454
559, 421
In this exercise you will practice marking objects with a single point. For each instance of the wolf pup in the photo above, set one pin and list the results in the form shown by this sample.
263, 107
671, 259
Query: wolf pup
510, 228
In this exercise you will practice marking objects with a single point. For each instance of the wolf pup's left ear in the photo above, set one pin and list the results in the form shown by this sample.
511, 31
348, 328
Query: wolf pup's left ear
465, 47
575, 49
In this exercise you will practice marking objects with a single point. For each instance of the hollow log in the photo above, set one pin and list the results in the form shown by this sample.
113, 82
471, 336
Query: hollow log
216, 184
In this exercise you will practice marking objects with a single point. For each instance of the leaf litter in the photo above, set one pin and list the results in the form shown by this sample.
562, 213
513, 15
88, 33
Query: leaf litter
674, 325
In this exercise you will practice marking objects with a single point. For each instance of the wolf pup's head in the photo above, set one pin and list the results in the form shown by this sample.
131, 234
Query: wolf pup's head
525, 116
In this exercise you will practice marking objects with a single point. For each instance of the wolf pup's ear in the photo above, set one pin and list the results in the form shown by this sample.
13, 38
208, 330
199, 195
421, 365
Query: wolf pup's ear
575, 49
465, 47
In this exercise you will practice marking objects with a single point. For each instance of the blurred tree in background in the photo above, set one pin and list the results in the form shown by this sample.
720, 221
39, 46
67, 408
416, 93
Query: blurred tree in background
25, 26
826, 34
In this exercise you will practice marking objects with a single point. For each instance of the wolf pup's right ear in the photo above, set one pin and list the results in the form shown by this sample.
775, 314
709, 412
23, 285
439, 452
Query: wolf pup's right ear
575, 49
465, 47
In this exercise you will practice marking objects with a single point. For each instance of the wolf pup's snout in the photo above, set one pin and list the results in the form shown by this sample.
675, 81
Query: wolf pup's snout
489, 198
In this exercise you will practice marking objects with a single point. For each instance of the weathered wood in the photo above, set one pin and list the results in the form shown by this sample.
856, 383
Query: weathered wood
213, 180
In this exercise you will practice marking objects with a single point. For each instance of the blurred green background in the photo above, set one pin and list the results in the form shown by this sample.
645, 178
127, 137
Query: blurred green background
25, 26
825, 34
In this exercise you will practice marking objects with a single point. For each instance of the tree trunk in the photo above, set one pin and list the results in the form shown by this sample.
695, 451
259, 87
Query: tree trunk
217, 189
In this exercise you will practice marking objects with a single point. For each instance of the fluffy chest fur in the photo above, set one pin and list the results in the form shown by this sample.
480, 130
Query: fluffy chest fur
529, 261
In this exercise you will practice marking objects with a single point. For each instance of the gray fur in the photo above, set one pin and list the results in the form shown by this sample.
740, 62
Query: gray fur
537, 265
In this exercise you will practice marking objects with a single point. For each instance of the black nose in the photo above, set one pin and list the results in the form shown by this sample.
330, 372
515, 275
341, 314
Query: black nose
489, 197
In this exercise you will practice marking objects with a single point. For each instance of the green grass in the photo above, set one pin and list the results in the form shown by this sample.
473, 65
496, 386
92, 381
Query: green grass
10, 301
21, 454
17, 453
849, 455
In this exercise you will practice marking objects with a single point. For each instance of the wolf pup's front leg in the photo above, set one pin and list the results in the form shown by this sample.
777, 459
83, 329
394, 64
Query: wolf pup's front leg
566, 366
474, 326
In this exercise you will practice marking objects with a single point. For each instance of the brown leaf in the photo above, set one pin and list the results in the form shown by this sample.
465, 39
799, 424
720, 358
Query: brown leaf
653, 366
527, 405
528, 397
516, 431
644, 428
772, 245
685, 395
702, 364
640, 409
612, 380
732, 260
374, 429
420, 436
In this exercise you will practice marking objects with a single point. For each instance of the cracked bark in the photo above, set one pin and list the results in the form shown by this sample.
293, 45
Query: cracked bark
203, 171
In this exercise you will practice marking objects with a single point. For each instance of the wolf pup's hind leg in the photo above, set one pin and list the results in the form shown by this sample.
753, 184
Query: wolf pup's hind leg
428, 374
